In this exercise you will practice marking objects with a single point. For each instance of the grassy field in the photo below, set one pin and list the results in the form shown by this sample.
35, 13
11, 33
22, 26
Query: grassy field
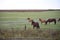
17, 20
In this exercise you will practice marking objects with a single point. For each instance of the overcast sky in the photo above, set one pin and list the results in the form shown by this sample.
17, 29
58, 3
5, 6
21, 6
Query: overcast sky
29, 4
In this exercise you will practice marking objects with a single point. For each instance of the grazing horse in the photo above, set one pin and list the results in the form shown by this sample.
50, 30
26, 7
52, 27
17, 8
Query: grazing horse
51, 20
58, 19
35, 24
42, 21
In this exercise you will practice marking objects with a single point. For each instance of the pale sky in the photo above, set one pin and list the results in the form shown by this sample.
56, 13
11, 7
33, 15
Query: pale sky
29, 4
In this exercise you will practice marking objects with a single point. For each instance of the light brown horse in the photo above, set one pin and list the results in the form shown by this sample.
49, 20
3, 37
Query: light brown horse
42, 20
29, 19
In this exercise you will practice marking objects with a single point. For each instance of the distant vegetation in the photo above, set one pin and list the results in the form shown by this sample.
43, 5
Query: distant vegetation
29, 10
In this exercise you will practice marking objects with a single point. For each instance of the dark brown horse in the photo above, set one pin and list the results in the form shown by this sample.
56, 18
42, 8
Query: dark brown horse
35, 24
42, 21
58, 19
51, 20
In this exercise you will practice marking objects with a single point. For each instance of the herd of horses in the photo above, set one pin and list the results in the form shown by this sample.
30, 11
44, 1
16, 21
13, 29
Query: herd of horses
36, 24
49, 20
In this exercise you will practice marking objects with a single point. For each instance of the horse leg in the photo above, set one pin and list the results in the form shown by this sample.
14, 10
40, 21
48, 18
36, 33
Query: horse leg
33, 27
38, 27
55, 22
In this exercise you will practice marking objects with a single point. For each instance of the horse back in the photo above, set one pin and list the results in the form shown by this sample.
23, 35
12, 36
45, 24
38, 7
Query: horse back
51, 20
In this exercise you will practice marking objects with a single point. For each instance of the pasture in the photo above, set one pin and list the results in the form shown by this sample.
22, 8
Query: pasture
16, 21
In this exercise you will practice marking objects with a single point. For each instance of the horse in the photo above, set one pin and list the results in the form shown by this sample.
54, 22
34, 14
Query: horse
35, 24
58, 19
42, 21
51, 20
29, 19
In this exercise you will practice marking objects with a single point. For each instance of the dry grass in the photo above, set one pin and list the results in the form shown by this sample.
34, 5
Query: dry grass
55, 34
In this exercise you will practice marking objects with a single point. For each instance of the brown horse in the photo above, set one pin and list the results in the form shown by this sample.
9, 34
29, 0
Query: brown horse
35, 24
51, 20
42, 21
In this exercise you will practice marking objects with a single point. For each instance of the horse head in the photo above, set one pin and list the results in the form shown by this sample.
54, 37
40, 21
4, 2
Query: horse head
28, 18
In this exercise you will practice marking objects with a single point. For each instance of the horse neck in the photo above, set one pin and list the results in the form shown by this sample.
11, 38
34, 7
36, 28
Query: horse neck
33, 22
